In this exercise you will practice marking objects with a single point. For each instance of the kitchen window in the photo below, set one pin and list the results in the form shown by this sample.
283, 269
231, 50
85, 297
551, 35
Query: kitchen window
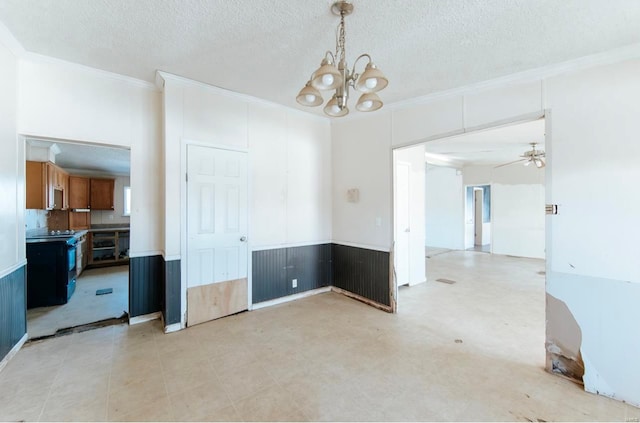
127, 201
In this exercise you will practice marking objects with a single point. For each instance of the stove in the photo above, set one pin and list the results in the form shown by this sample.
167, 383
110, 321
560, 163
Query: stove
51, 268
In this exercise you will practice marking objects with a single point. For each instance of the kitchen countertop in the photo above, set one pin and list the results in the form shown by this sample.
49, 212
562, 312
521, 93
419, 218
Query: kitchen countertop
116, 229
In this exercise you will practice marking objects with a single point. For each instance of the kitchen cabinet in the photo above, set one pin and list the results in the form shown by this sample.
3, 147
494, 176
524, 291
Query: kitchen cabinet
46, 186
79, 192
102, 191
79, 220
108, 247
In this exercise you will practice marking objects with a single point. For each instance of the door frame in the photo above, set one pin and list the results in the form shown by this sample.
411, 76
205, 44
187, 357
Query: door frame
528, 117
394, 226
184, 144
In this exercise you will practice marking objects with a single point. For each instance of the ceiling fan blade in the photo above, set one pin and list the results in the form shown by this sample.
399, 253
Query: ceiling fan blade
510, 163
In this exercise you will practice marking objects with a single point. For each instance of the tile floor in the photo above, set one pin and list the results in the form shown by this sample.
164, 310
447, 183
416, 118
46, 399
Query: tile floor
84, 306
322, 358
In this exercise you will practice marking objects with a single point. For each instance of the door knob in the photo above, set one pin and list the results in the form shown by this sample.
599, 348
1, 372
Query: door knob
243, 238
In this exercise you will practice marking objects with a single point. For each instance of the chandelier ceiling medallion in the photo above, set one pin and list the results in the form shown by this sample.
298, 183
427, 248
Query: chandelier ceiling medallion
340, 79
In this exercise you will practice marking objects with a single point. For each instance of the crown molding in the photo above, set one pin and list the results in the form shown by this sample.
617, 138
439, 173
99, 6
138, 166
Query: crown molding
605, 58
9, 41
40, 58
162, 76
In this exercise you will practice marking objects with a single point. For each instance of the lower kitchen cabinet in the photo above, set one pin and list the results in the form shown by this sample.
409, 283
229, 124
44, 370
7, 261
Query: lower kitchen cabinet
108, 247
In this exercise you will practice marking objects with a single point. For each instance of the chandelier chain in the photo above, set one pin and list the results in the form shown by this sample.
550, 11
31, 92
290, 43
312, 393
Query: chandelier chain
340, 48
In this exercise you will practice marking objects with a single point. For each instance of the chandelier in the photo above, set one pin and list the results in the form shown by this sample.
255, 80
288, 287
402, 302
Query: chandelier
340, 79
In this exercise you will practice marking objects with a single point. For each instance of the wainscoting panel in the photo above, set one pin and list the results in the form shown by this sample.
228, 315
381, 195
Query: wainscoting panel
361, 271
172, 300
274, 271
146, 280
13, 309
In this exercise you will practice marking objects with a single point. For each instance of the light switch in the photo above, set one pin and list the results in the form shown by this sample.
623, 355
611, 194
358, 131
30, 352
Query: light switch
353, 195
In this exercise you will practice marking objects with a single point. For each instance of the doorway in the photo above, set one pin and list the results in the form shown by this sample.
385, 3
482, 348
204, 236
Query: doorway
90, 212
480, 195
217, 221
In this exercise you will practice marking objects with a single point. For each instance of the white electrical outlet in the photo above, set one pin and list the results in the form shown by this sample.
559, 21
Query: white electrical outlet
294, 283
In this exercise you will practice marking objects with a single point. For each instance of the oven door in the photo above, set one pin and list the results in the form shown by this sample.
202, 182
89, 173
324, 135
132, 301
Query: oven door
71, 269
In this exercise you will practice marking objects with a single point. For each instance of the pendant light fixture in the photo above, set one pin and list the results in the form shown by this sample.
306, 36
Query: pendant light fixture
330, 76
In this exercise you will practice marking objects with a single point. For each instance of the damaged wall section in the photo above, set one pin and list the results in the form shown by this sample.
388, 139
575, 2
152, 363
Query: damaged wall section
564, 339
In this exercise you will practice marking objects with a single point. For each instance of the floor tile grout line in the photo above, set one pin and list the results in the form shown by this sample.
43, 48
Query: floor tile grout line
53, 382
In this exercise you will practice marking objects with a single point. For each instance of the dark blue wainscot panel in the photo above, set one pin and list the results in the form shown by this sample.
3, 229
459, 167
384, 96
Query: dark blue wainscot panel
172, 299
146, 285
362, 271
13, 309
274, 270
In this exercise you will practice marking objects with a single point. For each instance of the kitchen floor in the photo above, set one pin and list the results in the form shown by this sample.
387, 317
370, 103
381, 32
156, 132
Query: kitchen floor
468, 350
84, 306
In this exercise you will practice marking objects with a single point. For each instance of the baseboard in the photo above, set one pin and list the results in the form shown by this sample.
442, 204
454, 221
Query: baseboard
362, 299
172, 328
145, 318
13, 351
290, 298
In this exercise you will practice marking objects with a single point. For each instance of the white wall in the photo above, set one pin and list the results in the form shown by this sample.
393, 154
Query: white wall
517, 208
361, 158
444, 208
415, 157
12, 242
289, 161
592, 166
70, 102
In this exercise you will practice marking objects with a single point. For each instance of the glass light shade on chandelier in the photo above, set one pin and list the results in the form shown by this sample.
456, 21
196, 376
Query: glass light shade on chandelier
371, 80
369, 102
330, 76
335, 109
309, 96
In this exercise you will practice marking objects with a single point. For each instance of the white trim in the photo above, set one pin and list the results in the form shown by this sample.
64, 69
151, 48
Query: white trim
173, 328
171, 257
13, 351
291, 245
514, 120
13, 268
150, 253
9, 41
531, 75
290, 298
144, 318
233, 94
365, 246
40, 58
214, 145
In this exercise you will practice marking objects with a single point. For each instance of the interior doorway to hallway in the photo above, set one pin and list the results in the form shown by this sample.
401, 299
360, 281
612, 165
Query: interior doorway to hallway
483, 196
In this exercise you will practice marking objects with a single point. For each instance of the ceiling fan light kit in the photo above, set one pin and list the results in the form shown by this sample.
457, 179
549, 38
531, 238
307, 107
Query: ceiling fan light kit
330, 76
532, 156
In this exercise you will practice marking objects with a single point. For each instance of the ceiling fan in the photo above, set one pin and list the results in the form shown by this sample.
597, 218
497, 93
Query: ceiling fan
532, 156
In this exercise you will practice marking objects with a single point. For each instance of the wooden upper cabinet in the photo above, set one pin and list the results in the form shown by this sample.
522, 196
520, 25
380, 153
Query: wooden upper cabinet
79, 192
43, 181
102, 191
36, 185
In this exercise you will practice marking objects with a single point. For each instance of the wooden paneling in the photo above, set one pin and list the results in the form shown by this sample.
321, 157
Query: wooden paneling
208, 302
274, 270
13, 310
79, 192
363, 272
102, 194
146, 280
172, 300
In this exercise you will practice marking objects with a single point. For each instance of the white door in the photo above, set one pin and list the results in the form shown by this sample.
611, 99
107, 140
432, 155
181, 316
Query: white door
216, 233
402, 230
477, 216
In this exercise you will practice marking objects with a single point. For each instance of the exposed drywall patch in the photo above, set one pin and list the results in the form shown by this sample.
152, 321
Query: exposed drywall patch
564, 339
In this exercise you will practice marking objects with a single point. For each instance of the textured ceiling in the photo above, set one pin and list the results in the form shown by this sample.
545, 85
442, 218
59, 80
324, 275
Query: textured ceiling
490, 147
268, 49
91, 158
